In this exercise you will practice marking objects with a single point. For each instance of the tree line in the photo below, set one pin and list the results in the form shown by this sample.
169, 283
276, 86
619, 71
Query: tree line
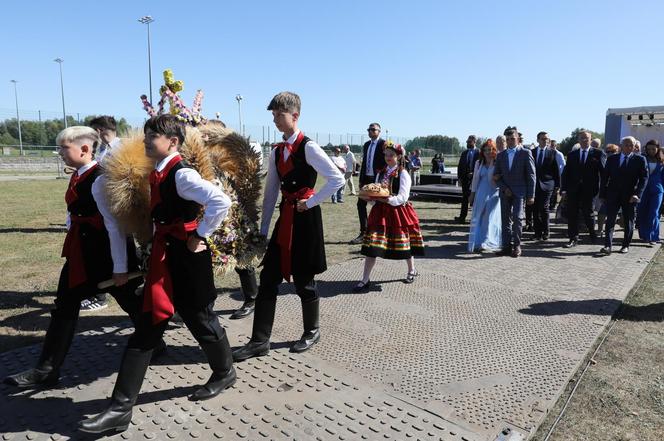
44, 133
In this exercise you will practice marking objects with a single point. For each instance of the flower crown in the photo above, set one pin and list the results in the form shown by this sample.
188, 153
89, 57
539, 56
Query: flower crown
169, 92
391, 145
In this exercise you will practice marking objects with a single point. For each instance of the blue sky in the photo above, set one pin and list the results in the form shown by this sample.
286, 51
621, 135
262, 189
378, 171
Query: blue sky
417, 67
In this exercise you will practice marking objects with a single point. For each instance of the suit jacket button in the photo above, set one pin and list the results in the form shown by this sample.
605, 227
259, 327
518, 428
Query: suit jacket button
293, 182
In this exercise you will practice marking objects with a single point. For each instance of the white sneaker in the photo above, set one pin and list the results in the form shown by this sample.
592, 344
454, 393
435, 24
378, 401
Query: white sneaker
93, 305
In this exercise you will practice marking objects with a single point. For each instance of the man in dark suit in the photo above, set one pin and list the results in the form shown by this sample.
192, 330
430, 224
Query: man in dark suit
465, 171
623, 181
579, 184
514, 174
547, 182
373, 161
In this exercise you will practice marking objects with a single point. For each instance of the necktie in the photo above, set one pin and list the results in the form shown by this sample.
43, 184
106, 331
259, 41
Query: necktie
370, 155
470, 158
623, 163
540, 157
583, 156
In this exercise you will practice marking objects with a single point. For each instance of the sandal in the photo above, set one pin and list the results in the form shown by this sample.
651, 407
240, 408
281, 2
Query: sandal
410, 278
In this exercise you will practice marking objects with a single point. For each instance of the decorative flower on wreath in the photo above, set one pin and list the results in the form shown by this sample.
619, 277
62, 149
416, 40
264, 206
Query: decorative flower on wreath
169, 93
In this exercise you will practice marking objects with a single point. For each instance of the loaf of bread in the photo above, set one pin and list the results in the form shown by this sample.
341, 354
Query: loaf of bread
374, 190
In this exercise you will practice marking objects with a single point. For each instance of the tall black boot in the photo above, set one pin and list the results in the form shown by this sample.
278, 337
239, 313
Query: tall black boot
223, 373
310, 318
56, 345
262, 329
249, 289
130, 378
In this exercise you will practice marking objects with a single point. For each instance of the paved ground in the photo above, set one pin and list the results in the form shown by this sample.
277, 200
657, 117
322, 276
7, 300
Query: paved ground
478, 348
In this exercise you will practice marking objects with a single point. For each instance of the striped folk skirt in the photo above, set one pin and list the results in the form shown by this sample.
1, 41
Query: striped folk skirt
393, 232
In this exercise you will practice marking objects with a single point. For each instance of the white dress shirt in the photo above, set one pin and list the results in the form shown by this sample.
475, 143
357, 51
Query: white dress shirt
316, 158
107, 150
350, 161
340, 163
404, 189
192, 187
371, 150
511, 152
623, 158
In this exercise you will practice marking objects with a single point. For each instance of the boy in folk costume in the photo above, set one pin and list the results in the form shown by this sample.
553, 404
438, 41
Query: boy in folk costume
179, 276
96, 250
106, 127
296, 247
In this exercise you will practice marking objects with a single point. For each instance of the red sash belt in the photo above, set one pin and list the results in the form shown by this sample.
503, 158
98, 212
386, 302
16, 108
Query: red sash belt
285, 233
158, 285
72, 249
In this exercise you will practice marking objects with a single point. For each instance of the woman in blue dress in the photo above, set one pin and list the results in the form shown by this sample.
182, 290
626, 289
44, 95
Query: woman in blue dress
647, 214
485, 225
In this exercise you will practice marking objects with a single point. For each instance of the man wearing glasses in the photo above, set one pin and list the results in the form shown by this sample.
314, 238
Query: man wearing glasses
373, 161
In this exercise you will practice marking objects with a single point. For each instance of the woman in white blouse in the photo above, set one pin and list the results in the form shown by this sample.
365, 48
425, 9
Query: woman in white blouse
393, 228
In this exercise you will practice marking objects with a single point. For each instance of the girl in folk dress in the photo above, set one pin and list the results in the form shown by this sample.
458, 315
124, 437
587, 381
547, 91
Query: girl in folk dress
393, 228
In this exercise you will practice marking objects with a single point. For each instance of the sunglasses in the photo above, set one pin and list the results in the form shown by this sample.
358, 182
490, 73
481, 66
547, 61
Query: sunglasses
373, 130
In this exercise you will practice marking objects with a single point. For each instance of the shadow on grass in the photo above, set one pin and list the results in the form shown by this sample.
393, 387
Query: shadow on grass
34, 230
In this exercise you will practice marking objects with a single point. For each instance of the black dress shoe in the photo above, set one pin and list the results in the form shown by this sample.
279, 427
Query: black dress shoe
624, 250
214, 386
516, 252
606, 251
461, 220
34, 377
358, 240
251, 349
545, 238
504, 252
308, 339
245, 310
570, 244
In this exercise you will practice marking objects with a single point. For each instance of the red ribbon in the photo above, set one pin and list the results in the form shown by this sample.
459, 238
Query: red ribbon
158, 284
157, 177
285, 233
72, 249
71, 195
285, 167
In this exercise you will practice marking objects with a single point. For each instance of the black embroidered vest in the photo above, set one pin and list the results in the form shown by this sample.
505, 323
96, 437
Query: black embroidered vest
172, 208
302, 176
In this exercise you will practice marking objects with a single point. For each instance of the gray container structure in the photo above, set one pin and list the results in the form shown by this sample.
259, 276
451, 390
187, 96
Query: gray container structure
644, 123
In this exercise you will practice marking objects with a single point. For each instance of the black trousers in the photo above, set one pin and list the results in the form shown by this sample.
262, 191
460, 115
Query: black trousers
68, 300
541, 211
530, 210
271, 278
202, 322
613, 205
362, 204
554, 201
465, 195
579, 201
248, 283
